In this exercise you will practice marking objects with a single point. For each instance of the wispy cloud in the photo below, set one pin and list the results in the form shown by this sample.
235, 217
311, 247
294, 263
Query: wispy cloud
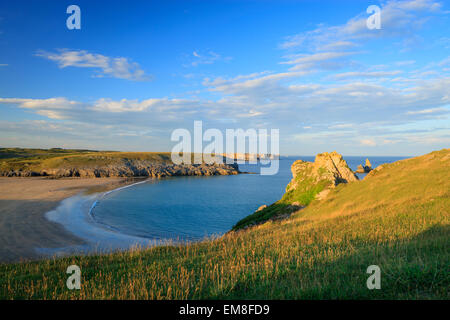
430, 111
379, 106
405, 63
209, 57
319, 60
398, 19
374, 74
118, 67
368, 142
345, 105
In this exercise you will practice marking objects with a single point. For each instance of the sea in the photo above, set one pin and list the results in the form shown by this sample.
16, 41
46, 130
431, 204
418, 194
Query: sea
175, 209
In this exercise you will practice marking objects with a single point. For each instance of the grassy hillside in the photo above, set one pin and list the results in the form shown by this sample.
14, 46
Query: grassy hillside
8, 153
310, 180
397, 218
39, 159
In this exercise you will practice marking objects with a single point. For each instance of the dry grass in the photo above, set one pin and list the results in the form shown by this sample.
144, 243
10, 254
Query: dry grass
37, 159
397, 219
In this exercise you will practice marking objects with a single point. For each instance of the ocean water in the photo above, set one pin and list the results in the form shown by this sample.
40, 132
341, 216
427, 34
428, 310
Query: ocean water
192, 208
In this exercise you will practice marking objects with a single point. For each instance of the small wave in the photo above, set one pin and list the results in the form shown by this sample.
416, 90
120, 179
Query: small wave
101, 196
72, 213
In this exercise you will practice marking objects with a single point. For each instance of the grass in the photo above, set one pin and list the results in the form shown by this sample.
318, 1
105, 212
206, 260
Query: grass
36, 160
8, 153
397, 218
40, 159
262, 215
305, 191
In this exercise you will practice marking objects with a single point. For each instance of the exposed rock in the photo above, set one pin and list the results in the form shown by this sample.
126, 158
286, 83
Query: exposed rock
375, 171
367, 166
326, 166
323, 194
261, 207
131, 168
312, 178
364, 169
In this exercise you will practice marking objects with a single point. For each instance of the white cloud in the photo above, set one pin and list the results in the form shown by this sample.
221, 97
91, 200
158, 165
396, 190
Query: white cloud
303, 103
368, 142
209, 57
398, 19
405, 63
342, 126
429, 111
53, 108
312, 61
335, 106
119, 67
374, 74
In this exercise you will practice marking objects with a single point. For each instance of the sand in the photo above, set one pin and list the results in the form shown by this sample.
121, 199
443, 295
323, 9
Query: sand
23, 204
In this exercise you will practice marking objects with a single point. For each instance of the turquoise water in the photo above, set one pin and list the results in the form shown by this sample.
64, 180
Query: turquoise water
191, 208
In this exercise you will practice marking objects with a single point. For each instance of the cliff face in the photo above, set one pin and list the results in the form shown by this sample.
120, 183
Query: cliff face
310, 180
364, 169
328, 166
128, 168
250, 156
313, 179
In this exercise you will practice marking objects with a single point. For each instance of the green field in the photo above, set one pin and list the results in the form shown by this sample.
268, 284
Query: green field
397, 218
40, 159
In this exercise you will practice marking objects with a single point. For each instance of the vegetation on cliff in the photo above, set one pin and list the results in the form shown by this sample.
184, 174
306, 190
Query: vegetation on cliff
85, 163
310, 180
397, 218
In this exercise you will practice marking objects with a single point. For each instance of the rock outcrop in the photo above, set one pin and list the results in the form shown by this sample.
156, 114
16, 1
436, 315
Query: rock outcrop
364, 169
130, 168
367, 166
375, 171
313, 178
250, 156
261, 207
329, 166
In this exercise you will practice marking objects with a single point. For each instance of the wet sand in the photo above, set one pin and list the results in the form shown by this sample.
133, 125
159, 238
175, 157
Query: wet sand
23, 204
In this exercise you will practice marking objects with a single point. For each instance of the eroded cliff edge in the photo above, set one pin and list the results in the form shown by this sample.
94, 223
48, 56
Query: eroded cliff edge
111, 164
310, 181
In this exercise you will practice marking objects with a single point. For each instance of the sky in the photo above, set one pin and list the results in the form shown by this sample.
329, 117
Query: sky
137, 70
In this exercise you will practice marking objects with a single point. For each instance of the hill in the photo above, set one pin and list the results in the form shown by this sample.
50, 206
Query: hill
310, 180
396, 218
16, 162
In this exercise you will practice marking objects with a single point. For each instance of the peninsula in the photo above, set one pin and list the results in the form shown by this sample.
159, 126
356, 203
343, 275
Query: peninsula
397, 217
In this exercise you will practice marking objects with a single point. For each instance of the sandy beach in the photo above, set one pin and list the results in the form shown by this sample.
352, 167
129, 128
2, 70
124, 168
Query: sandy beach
23, 204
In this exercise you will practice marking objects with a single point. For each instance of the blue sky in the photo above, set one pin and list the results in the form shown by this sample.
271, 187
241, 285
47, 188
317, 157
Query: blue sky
312, 69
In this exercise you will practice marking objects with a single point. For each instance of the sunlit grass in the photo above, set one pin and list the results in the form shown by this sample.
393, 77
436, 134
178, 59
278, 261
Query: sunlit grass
398, 219
39, 159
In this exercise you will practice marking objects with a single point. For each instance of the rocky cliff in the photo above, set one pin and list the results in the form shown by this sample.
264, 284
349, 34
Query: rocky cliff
311, 180
364, 169
328, 167
127, 168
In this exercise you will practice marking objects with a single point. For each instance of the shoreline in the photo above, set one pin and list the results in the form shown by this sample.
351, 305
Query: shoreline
74, 214
102, 195
24, 203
